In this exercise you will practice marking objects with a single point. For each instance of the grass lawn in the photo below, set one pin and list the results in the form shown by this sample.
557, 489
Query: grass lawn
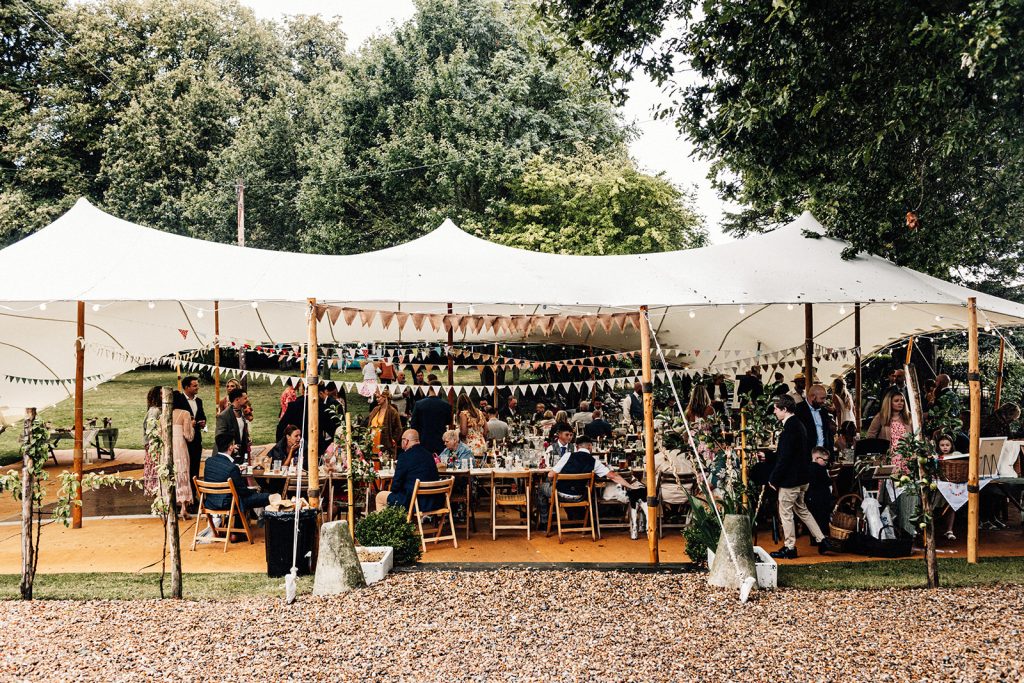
135, 586
124, 400
901, 574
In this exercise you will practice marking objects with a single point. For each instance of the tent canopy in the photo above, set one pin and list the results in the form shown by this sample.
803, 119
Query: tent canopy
150, 293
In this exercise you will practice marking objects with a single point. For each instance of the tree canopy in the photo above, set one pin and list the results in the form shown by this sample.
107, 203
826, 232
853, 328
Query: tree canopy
461, 112
897, 124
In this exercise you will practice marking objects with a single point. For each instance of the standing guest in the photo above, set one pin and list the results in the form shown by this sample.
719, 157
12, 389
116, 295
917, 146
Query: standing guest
508, 411
190, 390
287, 396
497, 430
928, 394
1001, 422
892, 421
387, 371
842, 405
583, 416
780, 385
790, 478
815, 420
385, 425
455, 452
223, 402
333, 401
599, 428
418, 379
819, 488
720, 395
402, 400
414, 462
946, 408
538, 413
182, 431
431, 416
944, 445
699, 406
472, 425
798, 388
231, 422
150, 437
368, 387
750, 386
220, 468
328, 422
580, 461
898, 381
636, 403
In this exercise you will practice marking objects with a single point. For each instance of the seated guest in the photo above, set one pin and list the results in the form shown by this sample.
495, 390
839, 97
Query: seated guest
284, 450
231, 422
599, 428
583, 415
414, 462
221, 467
1001, 422
455, 453
538, 413
819, 497
579, 462
497, 430
547, 422
561, 444
561, 418
508, 411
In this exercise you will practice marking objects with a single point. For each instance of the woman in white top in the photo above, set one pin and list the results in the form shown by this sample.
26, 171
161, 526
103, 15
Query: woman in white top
368, 387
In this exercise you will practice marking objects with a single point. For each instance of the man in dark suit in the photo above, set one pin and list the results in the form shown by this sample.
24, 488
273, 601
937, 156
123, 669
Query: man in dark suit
636, 403
750, 386
221, 467
190, 401
430, 419
790, 478
295, 414
599, 428
231, 422
414, 462
816, 421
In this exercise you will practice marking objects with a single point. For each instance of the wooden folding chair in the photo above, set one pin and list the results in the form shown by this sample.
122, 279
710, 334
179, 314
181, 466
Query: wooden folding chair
434, 488
464, 494
685, 482
520, 499
555, 506
206, 488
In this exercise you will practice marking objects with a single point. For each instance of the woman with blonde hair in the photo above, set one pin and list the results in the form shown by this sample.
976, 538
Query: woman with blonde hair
385, 425
892, 421
699, 406
842, 404
182, 431
471, 425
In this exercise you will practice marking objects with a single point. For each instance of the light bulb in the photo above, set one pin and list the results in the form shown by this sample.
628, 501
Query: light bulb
151, 305
255, 304
893, 307
522, 306
42, 307
95, 307
842, 310
693, 314
938, 318
471, 310
742, 310
789, 307
988, 328
200, 313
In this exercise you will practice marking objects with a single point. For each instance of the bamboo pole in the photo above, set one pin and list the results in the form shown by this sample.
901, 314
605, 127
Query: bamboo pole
974, 380
28, 550
351, 475
808, 346
167, 460
216, 353
79, 450
177, 364
910, 350
857, 369
743, 451
999, 375
313, 396
648, 389
451, 366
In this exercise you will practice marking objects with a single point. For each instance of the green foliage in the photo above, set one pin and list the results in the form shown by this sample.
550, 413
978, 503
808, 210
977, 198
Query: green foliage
388, 527
702, 533
859, 112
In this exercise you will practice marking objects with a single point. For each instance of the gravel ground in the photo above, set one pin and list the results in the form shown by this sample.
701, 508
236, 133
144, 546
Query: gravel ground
527, 626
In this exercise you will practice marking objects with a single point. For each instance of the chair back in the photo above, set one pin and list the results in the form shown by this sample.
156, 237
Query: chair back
424, 488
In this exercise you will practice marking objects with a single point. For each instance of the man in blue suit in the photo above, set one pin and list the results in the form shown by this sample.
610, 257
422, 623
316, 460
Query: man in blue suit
414, 462
221, 468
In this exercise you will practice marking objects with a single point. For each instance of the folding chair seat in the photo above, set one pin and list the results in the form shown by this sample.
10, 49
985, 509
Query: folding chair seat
230, 514
556, 505
434, 488
503, 497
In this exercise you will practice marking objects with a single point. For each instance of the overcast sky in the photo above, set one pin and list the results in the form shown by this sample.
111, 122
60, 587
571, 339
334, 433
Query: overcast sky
659, 147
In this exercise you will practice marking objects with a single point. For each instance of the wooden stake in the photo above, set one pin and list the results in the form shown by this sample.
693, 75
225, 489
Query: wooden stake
858, 379
167, 460
79, 450
28, 558
648, 389
351, 475
999, 375
313, 394
974, 381
216, 352
808, 346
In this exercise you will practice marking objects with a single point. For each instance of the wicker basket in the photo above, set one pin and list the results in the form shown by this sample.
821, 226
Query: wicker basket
843, 522
954, 471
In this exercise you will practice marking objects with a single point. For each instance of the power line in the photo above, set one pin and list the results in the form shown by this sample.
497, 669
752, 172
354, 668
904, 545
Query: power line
67, 42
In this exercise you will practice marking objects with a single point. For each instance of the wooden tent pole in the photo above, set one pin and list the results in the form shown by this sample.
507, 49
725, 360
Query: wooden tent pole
351, 475
216, 352
808, 346
313, 398
974, 381
743, 452
857, 369
451, 364
28, 549
648, 389
999, 375
177, 363
494, 391
910, 350
79, 451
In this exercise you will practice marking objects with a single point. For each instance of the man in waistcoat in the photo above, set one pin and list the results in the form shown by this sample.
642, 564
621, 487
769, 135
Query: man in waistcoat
578, 461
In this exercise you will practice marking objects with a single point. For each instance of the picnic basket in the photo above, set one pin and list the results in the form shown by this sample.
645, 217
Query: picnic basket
846, 517
953, 471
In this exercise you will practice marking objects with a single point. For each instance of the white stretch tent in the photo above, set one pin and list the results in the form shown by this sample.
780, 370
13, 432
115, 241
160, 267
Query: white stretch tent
150, 293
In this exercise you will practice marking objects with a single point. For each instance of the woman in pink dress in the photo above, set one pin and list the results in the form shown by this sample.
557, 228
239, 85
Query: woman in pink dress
182, 431
892, 421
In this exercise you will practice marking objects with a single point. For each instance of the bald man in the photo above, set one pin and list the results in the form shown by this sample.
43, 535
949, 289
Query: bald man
414, 462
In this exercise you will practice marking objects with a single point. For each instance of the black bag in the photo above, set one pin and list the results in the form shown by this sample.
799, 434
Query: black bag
862, 544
